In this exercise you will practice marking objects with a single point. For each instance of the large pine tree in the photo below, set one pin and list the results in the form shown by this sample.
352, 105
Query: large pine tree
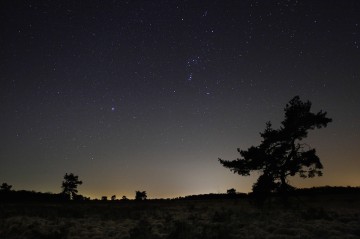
281, 152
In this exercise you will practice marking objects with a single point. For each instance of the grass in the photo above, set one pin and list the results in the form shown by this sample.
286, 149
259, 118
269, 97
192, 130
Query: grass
336, 216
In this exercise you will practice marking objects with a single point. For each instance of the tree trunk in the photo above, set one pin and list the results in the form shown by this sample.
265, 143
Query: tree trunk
284, 190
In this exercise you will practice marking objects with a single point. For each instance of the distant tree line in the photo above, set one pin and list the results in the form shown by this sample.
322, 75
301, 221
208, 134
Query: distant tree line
213, 196
69, 192
327, 190
8, 195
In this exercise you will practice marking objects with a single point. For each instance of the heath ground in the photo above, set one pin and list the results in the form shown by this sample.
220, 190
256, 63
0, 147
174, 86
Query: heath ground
315, 216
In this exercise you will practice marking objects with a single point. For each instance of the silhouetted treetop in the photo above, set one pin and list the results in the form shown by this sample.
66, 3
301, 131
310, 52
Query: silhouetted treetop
299, 120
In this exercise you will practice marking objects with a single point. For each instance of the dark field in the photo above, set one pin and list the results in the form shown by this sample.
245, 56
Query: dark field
330, 216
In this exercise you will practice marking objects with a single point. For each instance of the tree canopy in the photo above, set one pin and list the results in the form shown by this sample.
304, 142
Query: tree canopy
5, 187
281, 152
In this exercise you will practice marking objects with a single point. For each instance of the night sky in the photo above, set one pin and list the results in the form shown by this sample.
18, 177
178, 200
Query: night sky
147, 95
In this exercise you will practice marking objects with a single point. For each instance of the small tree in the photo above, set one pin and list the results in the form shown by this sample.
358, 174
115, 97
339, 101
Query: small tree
140, 196
281, 153
70, 184
5, 187
113, 197
231, 191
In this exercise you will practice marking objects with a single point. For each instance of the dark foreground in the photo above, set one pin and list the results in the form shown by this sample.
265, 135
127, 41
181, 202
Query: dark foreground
330, 216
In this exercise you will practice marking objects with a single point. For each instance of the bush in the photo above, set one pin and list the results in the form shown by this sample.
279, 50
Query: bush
143, 230
182, 230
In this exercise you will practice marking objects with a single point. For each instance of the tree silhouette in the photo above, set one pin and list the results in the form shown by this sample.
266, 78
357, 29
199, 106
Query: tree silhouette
140, 196
5, 187
281, 153
124, 198
231, 191
70, 184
